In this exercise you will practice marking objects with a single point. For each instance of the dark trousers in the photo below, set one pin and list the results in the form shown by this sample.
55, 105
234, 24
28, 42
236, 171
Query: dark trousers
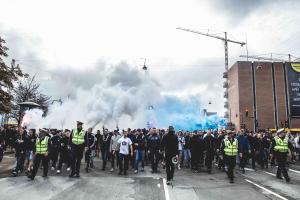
20, 161
281, 160
170, 167
230, 162
104, 155
63, 158
115, 157
154, 159
253, 158
89, 159
36, 163
243, 160
77, 154
123, 165
54, 157
209, 156
195, 160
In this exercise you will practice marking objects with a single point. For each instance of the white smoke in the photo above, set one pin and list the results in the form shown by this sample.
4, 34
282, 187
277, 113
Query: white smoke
120, 98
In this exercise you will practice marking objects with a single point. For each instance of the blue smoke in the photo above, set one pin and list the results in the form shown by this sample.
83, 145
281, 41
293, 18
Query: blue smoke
185, 115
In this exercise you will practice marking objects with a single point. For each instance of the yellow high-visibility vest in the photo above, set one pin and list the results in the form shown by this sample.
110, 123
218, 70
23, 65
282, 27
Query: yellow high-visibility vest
231, 149
42, 146
281, 145
77, 138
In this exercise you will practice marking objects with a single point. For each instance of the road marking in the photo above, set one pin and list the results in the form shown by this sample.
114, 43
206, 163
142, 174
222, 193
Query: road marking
248, 169
267, 190
292, 170
270, 173
166, 189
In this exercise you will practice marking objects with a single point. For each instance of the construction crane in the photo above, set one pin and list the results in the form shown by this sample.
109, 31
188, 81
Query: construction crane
225, 40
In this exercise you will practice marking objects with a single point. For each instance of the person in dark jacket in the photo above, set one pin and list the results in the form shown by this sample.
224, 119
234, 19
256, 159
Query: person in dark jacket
104, 147
253, 143
187, 149
169, 144
90, 142
30, 149
139, 145
54, 151
219, 158
209, 146
197, 147
245, 148
153, 149
21, 145
64, 151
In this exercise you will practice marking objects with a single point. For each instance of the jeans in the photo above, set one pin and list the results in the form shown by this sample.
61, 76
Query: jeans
104, 155
20, 161
139, 156
114, 157
187, 157
126, 160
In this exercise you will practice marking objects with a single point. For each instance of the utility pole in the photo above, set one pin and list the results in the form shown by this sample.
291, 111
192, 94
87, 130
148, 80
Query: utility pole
225, 74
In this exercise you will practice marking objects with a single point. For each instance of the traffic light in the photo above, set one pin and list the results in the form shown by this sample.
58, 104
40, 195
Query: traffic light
246, 112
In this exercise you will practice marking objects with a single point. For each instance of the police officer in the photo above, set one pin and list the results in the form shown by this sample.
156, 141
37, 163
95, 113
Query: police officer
41, 153
280, 148
77, 147
153, 149
230, 150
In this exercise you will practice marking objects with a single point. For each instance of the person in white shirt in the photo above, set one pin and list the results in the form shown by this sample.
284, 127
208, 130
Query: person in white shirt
125, 145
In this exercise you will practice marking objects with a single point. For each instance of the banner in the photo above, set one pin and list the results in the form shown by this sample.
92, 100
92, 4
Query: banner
293, 81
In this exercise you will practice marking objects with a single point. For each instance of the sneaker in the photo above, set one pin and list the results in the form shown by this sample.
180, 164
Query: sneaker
135, 171
68, 169
179, 167
143, 169
77, 175
30, 177
14, 173
58, 171
231, 181
168, 182
287, 179
52, 168
44, 176
72, 175
112, 169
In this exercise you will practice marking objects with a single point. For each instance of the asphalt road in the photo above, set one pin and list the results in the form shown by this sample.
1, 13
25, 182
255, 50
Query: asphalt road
97, 184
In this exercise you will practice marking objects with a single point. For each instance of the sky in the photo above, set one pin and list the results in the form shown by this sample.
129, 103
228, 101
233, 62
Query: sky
52, 38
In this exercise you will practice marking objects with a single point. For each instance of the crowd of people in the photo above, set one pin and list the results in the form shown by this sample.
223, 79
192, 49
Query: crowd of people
159, 148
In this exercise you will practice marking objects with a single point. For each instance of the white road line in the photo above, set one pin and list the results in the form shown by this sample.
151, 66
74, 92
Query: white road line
166, 189
267, 190
270, 173
248, 169
292, 170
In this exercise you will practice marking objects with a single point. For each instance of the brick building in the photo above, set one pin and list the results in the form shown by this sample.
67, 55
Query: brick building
258, 95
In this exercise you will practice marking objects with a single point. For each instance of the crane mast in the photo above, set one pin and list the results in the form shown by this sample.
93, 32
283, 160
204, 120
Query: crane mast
225, 75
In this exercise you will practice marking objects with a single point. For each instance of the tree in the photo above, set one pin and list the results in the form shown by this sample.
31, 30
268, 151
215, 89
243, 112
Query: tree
8, 75
28, 90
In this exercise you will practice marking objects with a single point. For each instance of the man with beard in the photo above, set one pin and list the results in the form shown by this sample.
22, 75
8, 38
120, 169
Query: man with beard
77, 146
104, 147
169, 144
209, 146
126, 149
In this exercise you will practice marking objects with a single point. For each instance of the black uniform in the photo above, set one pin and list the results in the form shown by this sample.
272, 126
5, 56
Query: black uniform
197, 147
77, 154
281, 160
154, 147
169, 144
210, 146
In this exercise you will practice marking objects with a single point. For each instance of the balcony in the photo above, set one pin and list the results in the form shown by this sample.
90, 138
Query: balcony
226, 105
225, 75
226, 115
225, 84
225, 94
